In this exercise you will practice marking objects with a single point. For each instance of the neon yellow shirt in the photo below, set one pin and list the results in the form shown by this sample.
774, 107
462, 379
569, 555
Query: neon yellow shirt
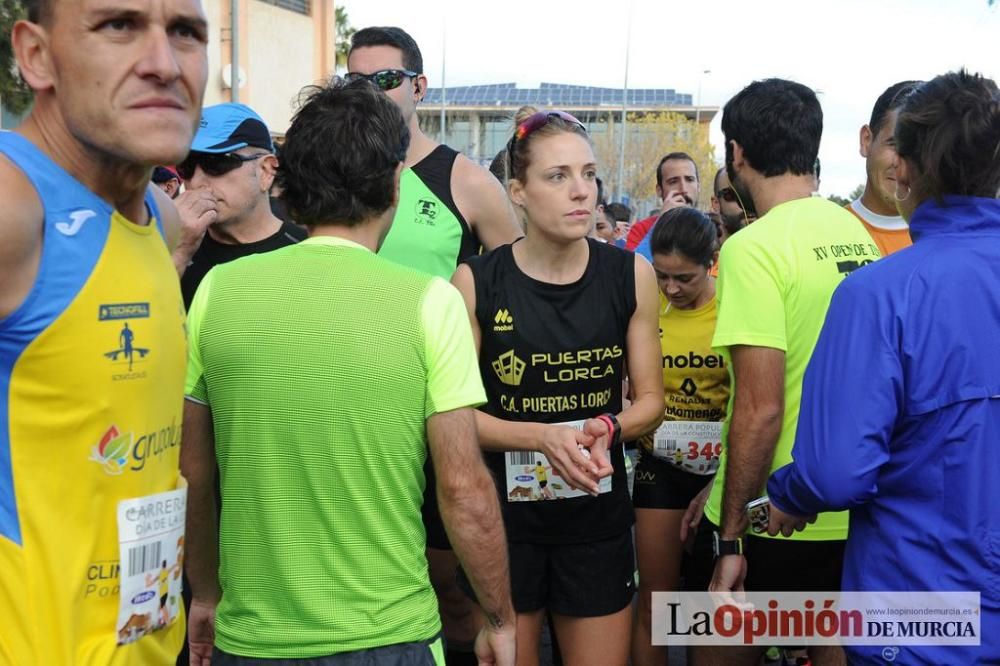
776, 278
321, 363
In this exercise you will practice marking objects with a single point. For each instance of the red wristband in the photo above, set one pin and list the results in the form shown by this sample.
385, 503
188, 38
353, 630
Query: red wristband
606, 420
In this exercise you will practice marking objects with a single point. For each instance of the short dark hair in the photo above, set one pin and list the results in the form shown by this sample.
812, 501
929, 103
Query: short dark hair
340, 155
600, 192
949, 129
688, 232
391, 36
778, 124
39, 11
619, 211
674, 156
890, 100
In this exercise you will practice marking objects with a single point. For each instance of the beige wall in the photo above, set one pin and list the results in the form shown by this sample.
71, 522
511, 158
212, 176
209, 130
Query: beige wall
214, 93
281, 51
279, 71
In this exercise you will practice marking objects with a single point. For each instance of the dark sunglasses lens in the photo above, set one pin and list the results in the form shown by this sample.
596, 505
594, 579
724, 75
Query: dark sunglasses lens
728, 194
186, 168
389, 79
212, 165
219, 165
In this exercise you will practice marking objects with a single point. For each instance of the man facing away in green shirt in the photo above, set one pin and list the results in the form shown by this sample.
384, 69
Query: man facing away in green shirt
318, 376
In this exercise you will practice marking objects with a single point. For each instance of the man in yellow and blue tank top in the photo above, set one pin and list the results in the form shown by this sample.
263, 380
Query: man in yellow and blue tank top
92, 338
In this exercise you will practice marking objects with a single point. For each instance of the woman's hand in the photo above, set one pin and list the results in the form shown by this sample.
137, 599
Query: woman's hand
564, 446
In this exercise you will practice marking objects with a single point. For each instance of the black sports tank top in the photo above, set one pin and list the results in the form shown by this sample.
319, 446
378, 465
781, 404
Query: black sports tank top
555, 354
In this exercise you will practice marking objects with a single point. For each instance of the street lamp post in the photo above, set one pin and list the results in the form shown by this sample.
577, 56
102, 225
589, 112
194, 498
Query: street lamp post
621, 143
444, 31
234, 58
697, 109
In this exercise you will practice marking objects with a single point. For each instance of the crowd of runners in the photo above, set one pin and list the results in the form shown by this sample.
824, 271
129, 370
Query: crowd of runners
381, 405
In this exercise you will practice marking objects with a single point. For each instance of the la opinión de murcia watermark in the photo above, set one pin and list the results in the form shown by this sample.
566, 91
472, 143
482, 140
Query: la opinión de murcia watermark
816, 618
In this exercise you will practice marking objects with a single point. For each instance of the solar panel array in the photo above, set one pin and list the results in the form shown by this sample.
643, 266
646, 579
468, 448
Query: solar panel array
555, 94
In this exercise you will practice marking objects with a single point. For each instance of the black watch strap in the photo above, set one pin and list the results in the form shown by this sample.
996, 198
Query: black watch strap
721, 547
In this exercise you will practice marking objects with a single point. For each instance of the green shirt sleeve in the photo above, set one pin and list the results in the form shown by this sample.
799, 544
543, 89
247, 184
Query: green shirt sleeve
750, 297
194, 385
453, 379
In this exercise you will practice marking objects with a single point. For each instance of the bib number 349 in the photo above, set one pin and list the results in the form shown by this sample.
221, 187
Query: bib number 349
694, 446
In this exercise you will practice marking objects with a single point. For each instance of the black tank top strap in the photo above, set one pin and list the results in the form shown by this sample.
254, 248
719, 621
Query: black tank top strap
435, 171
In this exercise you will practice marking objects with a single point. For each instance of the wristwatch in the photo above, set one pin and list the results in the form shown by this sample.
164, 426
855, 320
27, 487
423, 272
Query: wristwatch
722, 546
614, 427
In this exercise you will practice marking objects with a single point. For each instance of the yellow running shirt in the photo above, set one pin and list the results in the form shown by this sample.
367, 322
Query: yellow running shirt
695, 378
92, 375
695, 385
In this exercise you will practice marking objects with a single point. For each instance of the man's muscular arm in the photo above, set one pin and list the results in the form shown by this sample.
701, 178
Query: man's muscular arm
198, 466
758, 409
471, 512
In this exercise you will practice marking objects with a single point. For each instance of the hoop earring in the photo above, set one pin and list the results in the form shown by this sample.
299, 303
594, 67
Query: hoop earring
895, 194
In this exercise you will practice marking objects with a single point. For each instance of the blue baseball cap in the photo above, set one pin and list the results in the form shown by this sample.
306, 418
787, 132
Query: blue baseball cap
228, 127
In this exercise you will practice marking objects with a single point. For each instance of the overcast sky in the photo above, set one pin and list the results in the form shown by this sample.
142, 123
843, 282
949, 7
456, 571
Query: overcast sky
847, 50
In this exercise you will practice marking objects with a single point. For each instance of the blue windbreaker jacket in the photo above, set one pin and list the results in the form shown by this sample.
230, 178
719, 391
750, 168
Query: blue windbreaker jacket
900, 422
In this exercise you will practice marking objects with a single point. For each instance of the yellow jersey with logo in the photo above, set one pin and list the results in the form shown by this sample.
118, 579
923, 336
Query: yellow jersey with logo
695, 377
92, 375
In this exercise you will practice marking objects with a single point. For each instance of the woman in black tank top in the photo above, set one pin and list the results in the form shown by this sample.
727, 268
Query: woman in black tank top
557, 318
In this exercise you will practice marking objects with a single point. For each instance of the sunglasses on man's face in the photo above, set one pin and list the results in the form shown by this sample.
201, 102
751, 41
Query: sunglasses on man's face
386, 79
728, 194
213, 164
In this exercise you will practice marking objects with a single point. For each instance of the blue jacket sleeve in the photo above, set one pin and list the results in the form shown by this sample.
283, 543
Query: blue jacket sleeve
851, 396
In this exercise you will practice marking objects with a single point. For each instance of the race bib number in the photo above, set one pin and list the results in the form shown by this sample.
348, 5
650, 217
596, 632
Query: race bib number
531, 478
151, 547
694, 446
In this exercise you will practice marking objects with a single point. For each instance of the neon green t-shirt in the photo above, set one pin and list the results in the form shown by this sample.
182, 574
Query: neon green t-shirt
776, 278
321, 363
